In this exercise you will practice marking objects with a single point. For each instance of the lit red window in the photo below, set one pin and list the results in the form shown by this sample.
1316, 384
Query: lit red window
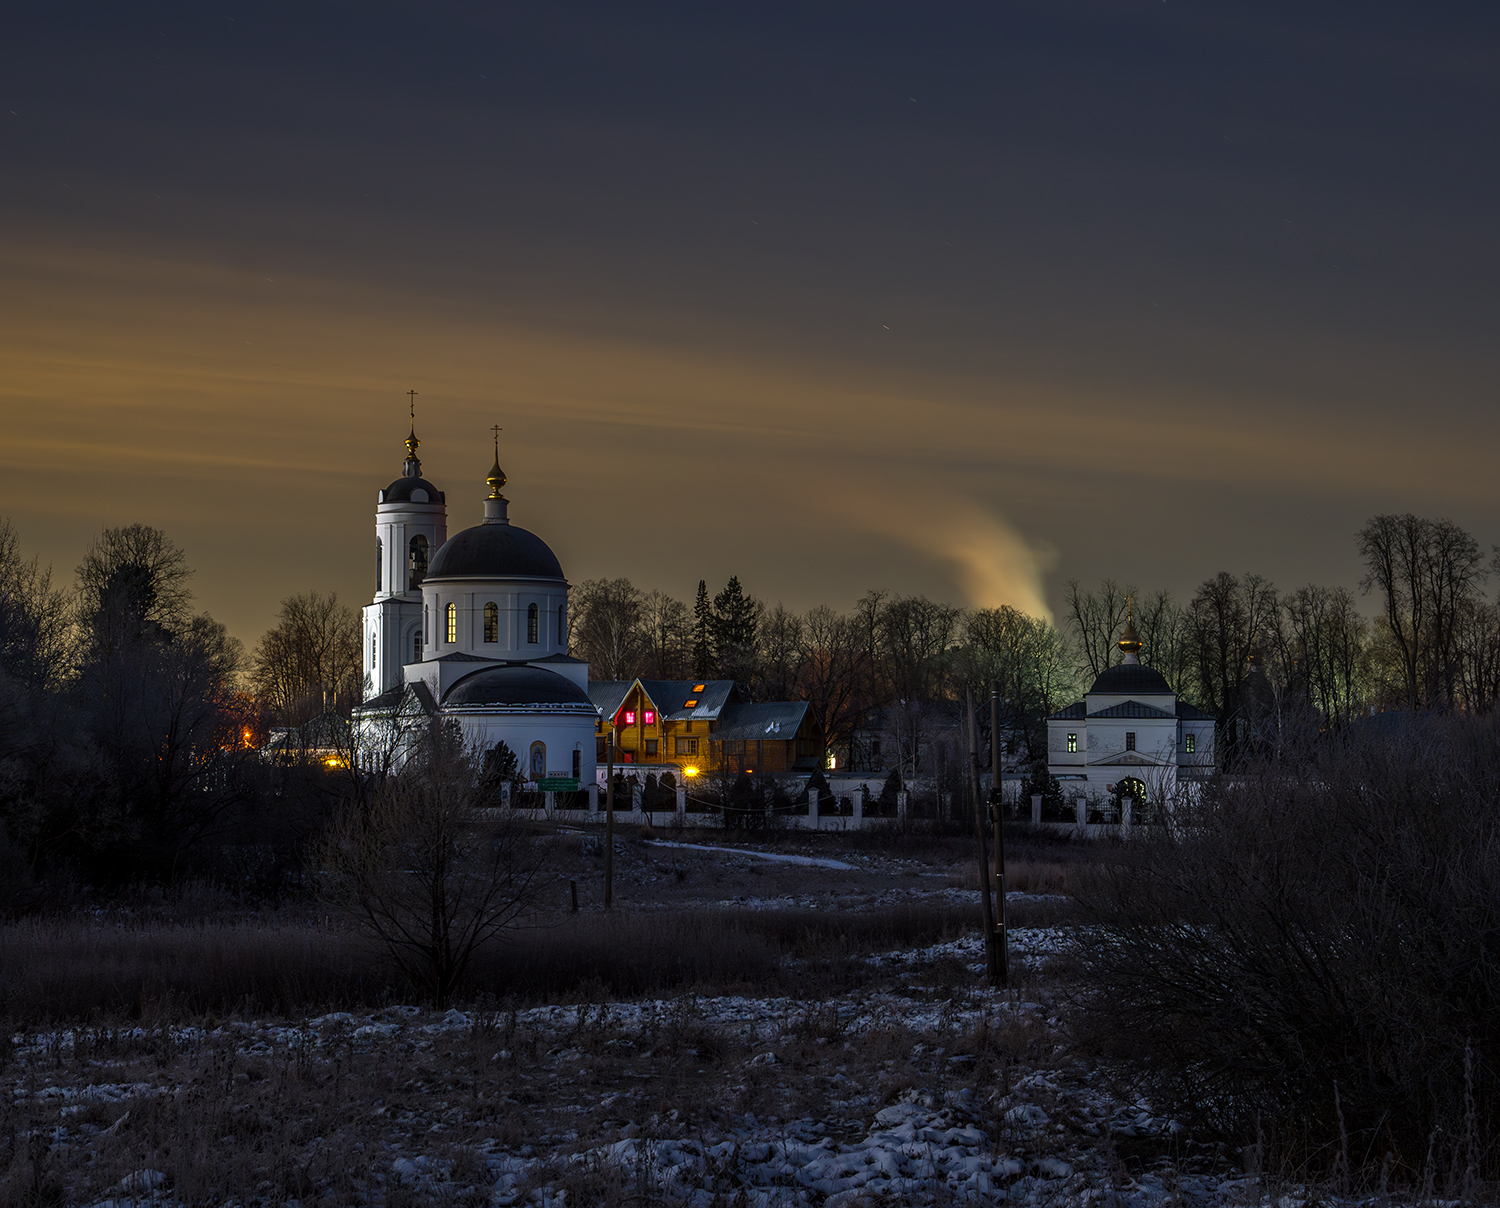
650, 717
630, 717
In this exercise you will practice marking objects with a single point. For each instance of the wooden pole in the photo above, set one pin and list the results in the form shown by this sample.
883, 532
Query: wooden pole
987, 918
999, 819
609, 817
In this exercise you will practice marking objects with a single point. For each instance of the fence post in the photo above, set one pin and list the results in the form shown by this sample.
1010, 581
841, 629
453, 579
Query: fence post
682, 801
549, 803
636, 793
903, 809
1036, 809
594, 798
1127, 807
1082, 806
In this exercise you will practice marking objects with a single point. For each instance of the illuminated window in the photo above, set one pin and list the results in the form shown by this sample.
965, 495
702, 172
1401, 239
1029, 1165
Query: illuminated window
685, 746
1191, 743
698, 687
1073, 743
1130, 740
630, 717
491, 622
650, 717
531, 624
416, 562
688, 704
452, 623
379, 558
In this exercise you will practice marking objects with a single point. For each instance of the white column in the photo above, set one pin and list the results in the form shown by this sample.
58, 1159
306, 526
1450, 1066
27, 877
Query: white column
1036, 809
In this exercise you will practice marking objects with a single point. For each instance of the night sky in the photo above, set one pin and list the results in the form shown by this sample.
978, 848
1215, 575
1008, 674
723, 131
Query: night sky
966, 300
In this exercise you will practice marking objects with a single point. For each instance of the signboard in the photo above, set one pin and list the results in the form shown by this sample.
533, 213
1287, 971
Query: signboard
557, 784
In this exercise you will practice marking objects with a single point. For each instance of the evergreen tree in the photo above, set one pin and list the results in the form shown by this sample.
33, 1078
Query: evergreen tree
703, 634
736, 624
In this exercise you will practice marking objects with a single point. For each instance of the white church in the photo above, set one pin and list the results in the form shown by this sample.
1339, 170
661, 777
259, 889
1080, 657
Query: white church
1130, 736
472, 628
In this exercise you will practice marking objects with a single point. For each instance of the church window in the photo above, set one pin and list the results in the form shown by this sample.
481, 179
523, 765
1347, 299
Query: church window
452, 623
1190, 742
577, 763
416, 566
379, 559
491, 622
372, 652
1072, 744
416, 647
538, 760
531, 625
1130, 740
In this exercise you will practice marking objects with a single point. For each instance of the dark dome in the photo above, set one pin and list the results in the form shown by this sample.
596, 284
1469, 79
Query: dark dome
1131, 679
400, 491
516, 685
495, 551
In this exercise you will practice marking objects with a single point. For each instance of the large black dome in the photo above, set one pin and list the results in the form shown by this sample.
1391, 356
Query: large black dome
400, 491
495, 551
516, 685
1131, 679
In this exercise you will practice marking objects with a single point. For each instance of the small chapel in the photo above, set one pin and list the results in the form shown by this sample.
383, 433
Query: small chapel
1130, 736
472, 629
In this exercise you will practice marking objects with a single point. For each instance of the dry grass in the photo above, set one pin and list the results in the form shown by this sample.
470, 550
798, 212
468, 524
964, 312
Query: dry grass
60, 970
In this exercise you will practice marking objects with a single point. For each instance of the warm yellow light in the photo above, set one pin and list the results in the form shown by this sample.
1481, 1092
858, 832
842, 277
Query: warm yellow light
333, 761
689, 771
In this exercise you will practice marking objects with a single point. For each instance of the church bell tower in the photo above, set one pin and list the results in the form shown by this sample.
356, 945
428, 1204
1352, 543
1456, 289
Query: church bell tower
411, 524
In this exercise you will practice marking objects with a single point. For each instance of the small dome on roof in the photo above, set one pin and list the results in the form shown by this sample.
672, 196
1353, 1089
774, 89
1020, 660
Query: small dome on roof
495, 551
516, 684
1131, 679
401, 490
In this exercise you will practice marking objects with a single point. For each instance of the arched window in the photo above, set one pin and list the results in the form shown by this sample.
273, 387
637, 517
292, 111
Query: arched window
531, 624
416, 565
372, 652
538, 768
452, 623
379, 560
416, 647
491, 622
562, 628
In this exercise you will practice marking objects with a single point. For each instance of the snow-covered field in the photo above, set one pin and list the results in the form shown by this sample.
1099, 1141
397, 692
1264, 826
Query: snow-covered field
911, 1083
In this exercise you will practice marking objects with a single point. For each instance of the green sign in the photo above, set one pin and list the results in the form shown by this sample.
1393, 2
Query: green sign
557, 784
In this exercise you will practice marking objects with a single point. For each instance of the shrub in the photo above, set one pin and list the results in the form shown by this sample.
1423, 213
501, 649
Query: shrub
1310, 957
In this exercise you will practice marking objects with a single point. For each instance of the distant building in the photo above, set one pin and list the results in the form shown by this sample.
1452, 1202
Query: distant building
703, 725
1130, 736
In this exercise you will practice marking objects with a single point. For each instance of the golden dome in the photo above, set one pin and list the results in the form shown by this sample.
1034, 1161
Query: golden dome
1130, 640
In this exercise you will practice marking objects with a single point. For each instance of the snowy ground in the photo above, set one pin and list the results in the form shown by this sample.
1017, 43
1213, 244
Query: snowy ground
914, 1085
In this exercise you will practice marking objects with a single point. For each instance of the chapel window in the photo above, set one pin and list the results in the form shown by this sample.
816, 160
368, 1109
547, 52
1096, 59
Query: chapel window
1072, 744
452, 623
1130, 740
1190, 743
491, 622
531, 624
372, 652
416, 564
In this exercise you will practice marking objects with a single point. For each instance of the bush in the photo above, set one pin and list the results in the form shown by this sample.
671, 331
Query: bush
1309, 959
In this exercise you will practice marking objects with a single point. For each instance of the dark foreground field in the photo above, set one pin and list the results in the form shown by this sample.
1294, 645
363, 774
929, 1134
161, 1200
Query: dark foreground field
738, 1031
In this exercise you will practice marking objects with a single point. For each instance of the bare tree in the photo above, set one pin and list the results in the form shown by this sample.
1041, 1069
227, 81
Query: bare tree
1166, 642
132, 584
667, 635
1096, 619
1427, 572
427, 871
34, 623
833, 674
780, 640
607, 627
1331, 649
309, 664
1230, 618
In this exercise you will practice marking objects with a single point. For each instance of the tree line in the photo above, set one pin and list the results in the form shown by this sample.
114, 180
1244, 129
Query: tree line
132, 722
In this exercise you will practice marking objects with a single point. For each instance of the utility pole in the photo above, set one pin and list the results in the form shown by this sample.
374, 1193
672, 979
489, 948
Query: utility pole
986, 915
996, 804
609, 817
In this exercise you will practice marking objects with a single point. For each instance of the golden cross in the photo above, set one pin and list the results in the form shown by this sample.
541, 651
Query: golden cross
412, 395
